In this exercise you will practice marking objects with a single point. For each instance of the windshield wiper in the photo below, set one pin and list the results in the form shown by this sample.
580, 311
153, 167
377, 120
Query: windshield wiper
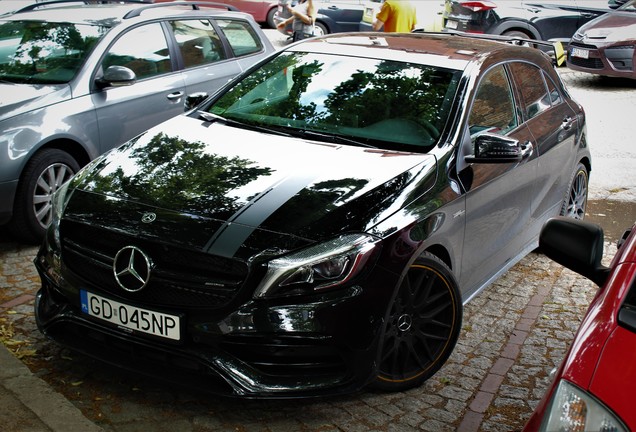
210, 117
333, 138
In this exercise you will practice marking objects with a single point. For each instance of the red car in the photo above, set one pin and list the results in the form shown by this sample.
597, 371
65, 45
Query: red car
593, 388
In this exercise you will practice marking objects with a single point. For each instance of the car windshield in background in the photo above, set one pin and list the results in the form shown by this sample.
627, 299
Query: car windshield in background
44, 53
382, 103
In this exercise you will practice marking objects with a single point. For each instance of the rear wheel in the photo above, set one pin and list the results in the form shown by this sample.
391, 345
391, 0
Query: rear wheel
269, 20
43, 175
575, 202
320, 29
422, 327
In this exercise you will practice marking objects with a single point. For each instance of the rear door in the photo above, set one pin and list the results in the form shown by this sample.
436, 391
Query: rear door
555, 19
554, 125
215, 51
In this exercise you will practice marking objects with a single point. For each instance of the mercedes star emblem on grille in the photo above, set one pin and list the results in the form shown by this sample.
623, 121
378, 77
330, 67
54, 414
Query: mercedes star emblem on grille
148, 217
132, 268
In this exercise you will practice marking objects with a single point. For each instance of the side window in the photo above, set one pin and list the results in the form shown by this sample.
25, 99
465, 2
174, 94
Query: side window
143, 49
532, 88
241, 37
555, 96
493, 109
198, 41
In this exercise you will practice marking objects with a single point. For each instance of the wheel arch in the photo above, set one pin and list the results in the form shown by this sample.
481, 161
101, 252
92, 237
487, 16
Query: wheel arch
516, 25
72, 147
442, 253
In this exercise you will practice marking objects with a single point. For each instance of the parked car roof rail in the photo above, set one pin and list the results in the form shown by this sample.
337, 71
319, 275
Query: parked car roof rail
195, 6
555, 48
38, 5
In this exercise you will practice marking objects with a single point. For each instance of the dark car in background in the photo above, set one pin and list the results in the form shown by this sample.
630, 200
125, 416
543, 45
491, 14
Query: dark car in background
593, 388
333, 16
549, 20
606, 45
78, 80
316, 226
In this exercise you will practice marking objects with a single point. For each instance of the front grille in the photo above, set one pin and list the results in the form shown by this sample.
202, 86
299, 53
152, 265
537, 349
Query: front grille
181, 277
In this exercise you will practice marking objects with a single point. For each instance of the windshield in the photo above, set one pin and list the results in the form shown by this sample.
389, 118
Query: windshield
383, 103
42, 52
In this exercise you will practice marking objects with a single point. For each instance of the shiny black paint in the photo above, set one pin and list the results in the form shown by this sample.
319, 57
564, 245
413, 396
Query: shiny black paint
231, 207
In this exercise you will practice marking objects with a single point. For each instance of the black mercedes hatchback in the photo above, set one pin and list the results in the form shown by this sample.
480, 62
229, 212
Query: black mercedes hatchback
317, 225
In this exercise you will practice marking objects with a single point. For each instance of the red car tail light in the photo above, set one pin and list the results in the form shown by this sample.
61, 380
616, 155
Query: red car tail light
478, 6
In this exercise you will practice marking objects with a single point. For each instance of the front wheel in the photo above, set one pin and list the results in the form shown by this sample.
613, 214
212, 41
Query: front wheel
43, 175
422, 327
575, 202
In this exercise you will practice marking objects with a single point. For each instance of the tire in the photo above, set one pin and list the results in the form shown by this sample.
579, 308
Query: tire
269, 20
320, 29
43, 175
519, 34
575, 202
422, 327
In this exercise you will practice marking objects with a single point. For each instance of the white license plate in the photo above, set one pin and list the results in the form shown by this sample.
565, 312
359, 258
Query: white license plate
131, 317
581, 53
451, 24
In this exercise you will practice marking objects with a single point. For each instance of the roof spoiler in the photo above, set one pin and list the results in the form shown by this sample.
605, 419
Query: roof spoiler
553, 48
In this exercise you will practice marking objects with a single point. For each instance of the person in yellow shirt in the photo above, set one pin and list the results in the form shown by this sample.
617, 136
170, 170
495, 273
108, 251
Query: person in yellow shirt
396, 16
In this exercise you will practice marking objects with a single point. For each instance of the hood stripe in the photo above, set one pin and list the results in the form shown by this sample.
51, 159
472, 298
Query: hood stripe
229, 238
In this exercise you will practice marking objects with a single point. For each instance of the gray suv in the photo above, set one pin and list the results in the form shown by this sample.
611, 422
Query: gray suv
78, 80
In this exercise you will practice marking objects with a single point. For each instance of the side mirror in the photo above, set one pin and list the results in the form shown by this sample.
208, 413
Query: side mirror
493, 148
194, 99
576, 245
117, 76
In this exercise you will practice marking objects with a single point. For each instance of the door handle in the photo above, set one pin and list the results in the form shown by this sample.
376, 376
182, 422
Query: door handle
175, 96
567, 123
526, 149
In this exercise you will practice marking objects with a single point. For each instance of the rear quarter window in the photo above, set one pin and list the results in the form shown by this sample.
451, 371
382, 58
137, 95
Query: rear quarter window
241, 36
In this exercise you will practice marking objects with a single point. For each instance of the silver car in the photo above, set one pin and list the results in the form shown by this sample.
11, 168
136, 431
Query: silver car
78, 80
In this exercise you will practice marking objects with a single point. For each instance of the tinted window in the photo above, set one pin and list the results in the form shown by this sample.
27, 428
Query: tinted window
533, 91
493, 108
241, 37
198, 42
386, 103
142, 49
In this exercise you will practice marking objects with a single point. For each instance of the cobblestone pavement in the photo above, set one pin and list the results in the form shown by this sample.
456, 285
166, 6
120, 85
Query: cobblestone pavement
514, 333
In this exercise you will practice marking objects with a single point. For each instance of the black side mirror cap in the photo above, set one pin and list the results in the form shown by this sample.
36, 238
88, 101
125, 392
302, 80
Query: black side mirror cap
493, 148
576, 245
194, 99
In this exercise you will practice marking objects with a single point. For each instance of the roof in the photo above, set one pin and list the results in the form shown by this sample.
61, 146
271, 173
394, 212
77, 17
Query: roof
450, 50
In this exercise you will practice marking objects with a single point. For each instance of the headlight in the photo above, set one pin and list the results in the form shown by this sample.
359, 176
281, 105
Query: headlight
573, 410
319, 267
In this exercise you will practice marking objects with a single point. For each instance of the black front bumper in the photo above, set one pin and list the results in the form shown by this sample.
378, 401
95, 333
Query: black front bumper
272, 351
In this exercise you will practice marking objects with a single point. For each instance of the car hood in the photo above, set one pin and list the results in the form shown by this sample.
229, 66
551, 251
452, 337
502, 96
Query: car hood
20, 98
611, 27
215, 186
